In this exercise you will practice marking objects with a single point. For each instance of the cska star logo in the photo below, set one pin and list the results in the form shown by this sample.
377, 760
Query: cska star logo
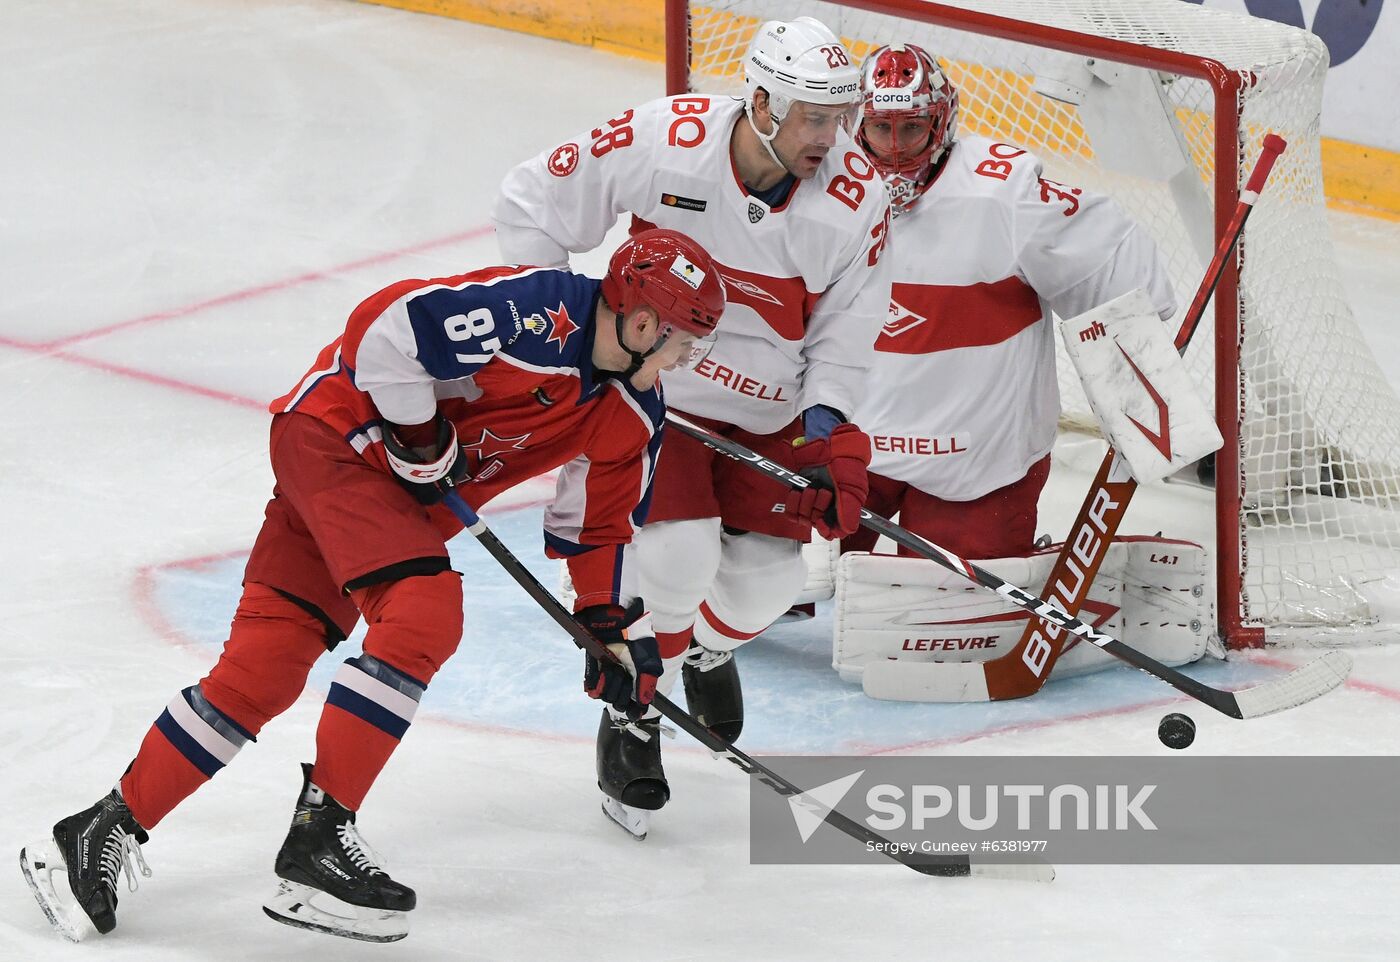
490, 446
755, 213
900, 320
562, 326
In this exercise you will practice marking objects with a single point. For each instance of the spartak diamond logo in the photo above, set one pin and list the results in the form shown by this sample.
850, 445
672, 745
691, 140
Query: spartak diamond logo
901, 320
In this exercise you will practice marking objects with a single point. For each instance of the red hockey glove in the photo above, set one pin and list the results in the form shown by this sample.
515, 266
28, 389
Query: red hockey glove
629, 683
836, 466
425, 458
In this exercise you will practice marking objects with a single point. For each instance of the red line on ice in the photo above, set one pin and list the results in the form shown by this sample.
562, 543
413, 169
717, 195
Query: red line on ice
269, 288
56, 348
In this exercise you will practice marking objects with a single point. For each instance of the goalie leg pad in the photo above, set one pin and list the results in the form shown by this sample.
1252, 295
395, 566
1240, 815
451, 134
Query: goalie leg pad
1151, 593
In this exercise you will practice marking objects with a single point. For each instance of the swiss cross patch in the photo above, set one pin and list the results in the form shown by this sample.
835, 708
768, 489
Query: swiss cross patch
563, 161
562, 326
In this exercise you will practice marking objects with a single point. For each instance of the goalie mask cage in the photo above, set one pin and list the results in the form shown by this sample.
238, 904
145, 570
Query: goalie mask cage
1163, 105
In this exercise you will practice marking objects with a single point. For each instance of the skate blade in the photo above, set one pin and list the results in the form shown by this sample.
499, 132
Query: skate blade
634, 821
39, 862
304, 907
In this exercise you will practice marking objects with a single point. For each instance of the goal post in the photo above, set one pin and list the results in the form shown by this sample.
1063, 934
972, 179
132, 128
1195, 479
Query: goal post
1162, 104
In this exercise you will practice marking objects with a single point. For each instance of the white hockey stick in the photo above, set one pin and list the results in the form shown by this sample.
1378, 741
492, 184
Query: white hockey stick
1302, 685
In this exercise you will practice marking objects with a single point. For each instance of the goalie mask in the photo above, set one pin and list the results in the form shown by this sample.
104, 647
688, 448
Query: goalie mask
798, 60
674, 276
908, 121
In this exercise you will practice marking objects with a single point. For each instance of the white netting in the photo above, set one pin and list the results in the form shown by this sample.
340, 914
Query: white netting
1320, 426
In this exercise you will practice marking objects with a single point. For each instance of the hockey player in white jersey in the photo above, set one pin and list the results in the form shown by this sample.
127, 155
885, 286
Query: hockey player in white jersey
963, 404
776, 189
963, 399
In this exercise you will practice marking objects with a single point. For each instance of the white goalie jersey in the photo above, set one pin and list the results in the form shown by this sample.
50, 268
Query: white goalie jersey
806, 284
963, 398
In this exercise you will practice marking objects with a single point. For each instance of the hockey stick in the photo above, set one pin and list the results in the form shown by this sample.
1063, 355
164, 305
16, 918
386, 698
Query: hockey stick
1024, 668
1032, 870
1299, 686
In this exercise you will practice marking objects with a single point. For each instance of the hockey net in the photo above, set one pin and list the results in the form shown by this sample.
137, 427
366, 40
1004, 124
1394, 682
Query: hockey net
1163, 104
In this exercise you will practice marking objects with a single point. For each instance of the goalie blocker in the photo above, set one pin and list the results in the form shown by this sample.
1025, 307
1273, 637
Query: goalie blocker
908, 629
1138, 387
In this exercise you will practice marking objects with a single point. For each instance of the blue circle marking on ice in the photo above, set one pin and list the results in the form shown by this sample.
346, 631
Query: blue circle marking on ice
515, 669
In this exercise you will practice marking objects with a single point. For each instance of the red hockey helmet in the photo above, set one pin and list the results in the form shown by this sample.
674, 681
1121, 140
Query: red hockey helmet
671, 274
903, 82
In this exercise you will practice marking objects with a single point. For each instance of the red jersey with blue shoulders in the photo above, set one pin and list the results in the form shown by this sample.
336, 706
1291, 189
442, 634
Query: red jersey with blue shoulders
506, 354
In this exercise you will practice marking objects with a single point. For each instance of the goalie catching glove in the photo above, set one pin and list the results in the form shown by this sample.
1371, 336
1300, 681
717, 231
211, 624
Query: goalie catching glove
833, 456
426, 458
627, 683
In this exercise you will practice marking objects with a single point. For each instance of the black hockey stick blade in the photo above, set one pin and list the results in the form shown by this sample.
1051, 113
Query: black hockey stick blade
1298, 687
1025, 868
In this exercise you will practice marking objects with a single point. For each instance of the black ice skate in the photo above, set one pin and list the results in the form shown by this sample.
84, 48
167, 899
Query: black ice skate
91, 848
630, 772
330, 878
712, 691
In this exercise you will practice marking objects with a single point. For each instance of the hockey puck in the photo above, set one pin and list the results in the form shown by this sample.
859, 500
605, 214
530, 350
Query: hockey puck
1176, 730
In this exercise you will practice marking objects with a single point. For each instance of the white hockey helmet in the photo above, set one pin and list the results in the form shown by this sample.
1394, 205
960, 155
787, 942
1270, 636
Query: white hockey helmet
799, 60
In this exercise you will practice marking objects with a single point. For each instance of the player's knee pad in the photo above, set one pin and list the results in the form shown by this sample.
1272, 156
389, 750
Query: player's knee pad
676, 564
272, 645
759, 577
415, 624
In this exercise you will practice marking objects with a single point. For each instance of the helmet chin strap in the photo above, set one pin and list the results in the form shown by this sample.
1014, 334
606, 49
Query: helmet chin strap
765, 139
638, 359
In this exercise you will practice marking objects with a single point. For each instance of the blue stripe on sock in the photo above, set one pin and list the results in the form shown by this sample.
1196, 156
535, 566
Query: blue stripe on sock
371, 711
186, 745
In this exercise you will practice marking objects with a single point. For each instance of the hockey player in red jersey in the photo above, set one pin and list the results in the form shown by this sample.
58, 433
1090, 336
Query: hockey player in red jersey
963, 399
471, 384
776, 189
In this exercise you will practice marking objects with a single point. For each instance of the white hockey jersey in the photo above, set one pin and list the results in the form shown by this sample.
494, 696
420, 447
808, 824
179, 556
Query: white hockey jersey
962, 397
806, 282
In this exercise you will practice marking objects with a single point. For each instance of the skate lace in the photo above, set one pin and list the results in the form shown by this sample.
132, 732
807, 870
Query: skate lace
364, 857
120, 849
703, 659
